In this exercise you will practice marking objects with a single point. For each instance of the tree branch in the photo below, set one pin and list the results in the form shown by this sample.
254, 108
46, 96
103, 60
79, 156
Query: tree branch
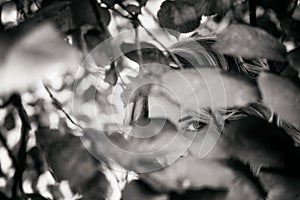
16, 101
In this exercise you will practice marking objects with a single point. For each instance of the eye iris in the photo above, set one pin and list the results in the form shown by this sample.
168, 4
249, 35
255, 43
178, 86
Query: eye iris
197, 125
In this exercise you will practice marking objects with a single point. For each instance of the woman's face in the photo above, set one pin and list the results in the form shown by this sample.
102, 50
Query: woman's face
200, 131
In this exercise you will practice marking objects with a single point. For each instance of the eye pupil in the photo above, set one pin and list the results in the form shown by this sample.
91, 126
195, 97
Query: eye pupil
198, 125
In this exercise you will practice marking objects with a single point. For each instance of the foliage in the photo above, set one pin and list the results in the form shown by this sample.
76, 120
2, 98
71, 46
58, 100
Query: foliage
229, 85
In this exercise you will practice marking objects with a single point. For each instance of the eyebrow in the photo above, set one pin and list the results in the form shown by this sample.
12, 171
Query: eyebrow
185, 118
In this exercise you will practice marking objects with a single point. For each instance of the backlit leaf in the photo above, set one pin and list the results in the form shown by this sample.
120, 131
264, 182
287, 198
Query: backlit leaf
35, 54
206, 88
249, 42
178, 15
287, 101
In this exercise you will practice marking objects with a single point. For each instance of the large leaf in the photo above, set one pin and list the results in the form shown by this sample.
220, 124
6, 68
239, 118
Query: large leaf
150, 145
206, 88
35, 53
290, 27
249, 42
280, 186
193, 173
255, 141
287, 100
69, 160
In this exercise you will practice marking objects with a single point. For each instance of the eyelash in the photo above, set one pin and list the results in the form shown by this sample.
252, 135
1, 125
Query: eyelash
194, 125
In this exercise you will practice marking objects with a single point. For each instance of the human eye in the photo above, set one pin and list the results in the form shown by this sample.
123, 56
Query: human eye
194, 125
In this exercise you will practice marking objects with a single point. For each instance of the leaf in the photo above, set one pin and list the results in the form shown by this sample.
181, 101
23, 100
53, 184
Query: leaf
9, 121
150, 53
137, 190
290, 27
255, 141
287, 101
111, 3
9, 13
134, 9
281, 7
204, 7
69, 160
59, 13
185, 15
206, 88
280, 186
264, 22
93, 38
206, 194
296, 13
35, 53
79, 17
36, 155
111, 76
150, 145
193, 173
179, 16
241, 40
142, 2
294, 58
36, 197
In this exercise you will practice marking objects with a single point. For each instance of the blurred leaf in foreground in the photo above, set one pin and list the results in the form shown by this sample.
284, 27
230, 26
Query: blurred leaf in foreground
294, 58
249, 42
282, 96
150, 145
34, 54
138, 190
255, 141
178, 15
69, 160
206, 88
194, 173
280, 186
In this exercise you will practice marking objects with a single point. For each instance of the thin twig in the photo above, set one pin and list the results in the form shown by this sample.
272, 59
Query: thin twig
59, 106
